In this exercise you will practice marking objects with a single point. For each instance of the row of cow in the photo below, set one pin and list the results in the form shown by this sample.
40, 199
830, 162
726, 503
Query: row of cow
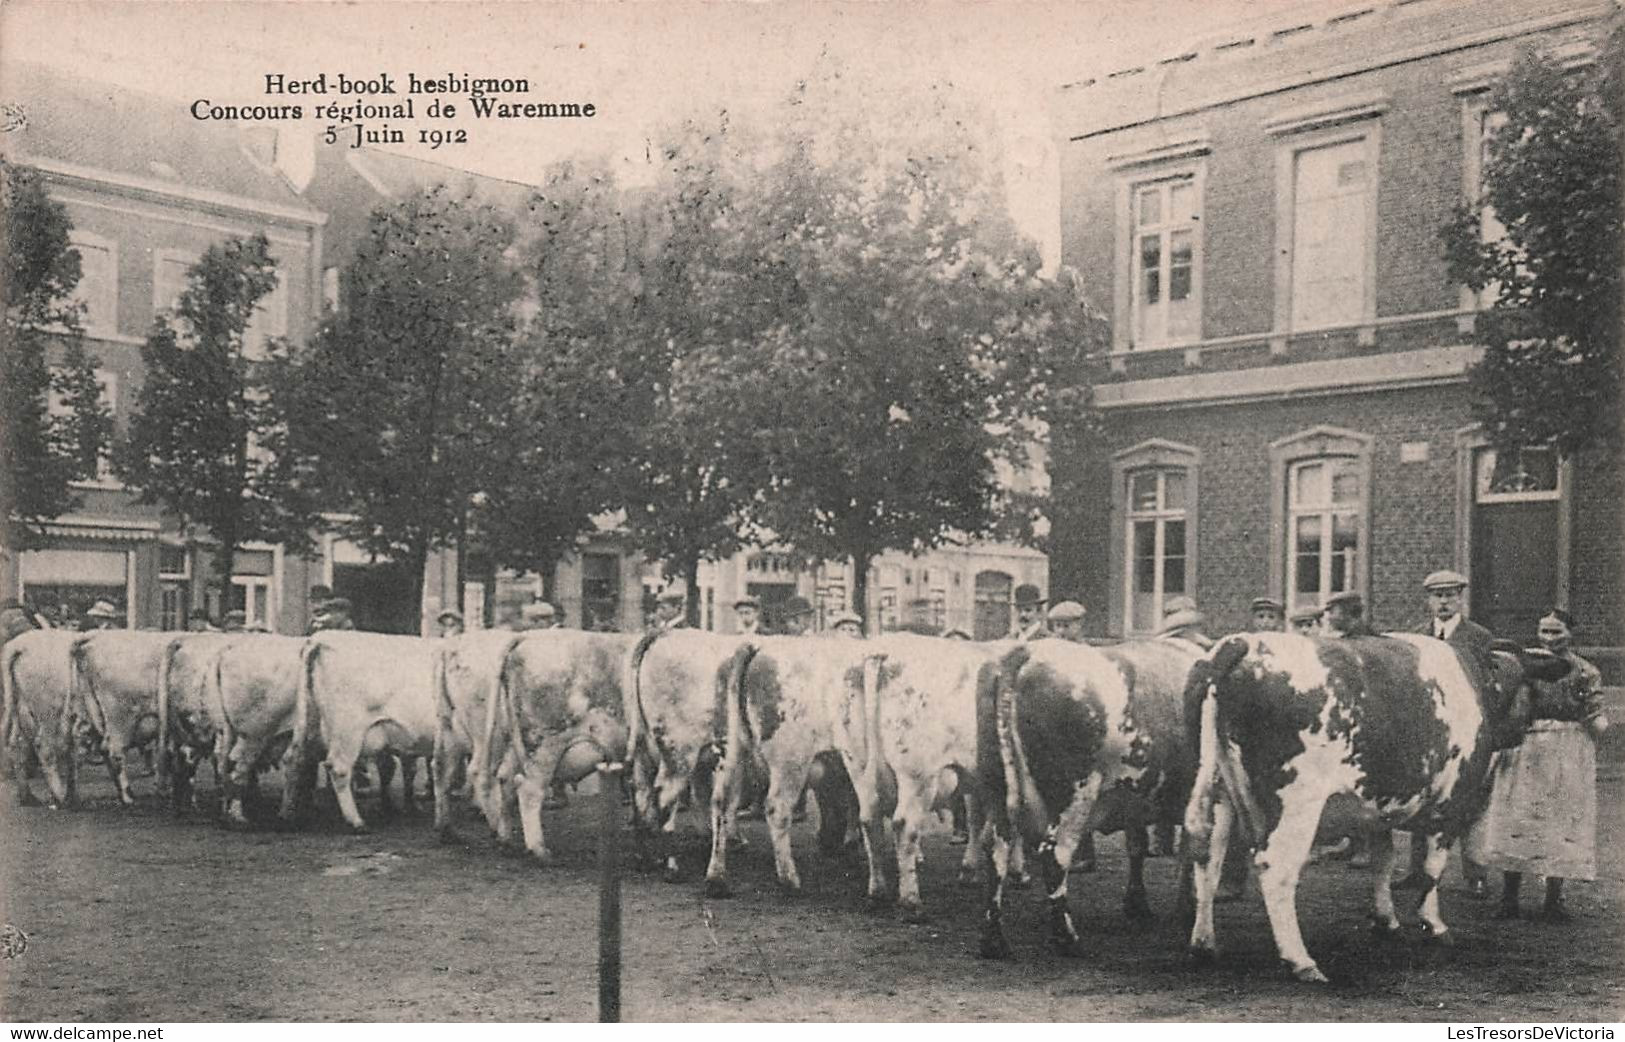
1045, 742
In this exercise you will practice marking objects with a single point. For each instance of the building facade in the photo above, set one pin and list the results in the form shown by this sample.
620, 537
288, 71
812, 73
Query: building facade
148, 190
1286, 398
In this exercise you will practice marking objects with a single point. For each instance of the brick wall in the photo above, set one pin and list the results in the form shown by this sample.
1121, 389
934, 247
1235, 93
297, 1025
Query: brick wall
1413, 513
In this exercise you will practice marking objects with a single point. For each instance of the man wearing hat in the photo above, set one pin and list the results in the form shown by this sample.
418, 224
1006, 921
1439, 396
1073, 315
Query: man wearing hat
748, 610
1306, 621
1269, 615
101, 616
451, 622
1447, 623
669, 610
333, 615
1030, 613
236, 621
798, 613
537, 615
319, 596
847, 624
1066, 621
1345, 615
1182, 620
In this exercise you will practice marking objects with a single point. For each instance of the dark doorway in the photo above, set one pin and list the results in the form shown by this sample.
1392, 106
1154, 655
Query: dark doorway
380, 596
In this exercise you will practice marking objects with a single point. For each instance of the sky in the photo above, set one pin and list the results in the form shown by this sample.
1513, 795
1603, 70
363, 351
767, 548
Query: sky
640, 64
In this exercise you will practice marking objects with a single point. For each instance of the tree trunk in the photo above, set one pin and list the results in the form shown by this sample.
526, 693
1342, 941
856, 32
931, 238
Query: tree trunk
860, 590
417, 560
225, 561
691, 577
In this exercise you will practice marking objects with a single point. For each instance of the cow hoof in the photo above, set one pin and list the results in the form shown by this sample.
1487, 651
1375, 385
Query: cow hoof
671, 874
911, 912
718, 888
994, 946
1384, 932
1067, 947
1137, 910
876, 904
448, 836
1440, 939
790, 889
1310, 974
360, 830
1201, 955
543, 858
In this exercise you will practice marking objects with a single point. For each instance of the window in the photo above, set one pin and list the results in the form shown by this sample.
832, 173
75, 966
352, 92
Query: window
601, 591
65, 584
994, 610
98, 282
1157, 258
270, 320
55, 404
1321, 481
251, 594
1529, 475
1156, 543
1165, 215
1479, 125
174, 569
1326, 220
939, 608
1330, 189
1323, 499
169, 272
1153, 532
831, 599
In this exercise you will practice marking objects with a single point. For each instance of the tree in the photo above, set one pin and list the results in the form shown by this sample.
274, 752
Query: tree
668, 291
42, 449
913, 356
403, 408
1551, 370
205, 434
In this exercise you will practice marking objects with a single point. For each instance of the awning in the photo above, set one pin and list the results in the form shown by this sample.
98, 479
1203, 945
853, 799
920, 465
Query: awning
131, 533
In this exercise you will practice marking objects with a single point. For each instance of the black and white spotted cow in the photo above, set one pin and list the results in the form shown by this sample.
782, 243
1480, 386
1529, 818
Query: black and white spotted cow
1402, 722
1075, 740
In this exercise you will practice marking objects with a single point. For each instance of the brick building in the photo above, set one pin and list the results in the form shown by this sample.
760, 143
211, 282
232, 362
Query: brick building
148, 190
1285, 400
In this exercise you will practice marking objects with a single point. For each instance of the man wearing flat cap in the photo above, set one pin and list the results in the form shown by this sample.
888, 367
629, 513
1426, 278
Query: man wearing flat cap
451, 622
1182, 620
670, 613
1306, 621
1446, 622
1445, 590
333, 615
797, 619
236, 621
1066, 621
1269, 615
847, 624
1345, 615
537, 615
748, 610
102, 616
1030, 613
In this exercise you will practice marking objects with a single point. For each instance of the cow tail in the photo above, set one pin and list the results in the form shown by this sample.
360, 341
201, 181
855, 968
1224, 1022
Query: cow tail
741, 739
8, 703
637, 724
304, 696
82, 691
509, 706
1219, 767
163, 763
875, 765
1014, 757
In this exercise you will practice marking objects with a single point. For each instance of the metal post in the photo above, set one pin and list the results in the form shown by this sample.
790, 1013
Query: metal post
609, 895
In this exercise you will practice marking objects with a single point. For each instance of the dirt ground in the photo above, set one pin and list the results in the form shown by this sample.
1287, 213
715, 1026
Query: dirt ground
132, 915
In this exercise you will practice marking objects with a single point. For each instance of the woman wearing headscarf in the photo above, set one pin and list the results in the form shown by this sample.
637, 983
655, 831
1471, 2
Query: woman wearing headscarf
1542, 816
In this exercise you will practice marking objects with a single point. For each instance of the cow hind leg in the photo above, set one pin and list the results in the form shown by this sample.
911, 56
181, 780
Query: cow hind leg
1055, 851
1384, 923
531, 791
994, 943
1280, 862
1433, 865
342, 770
907, 825
385, 762
1207, 867
1135, 905
784, 786
118, 770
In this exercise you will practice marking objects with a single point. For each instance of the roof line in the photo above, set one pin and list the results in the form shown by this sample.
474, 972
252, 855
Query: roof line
199, 196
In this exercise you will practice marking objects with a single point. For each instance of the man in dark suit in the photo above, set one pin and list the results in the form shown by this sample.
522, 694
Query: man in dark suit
1447, 623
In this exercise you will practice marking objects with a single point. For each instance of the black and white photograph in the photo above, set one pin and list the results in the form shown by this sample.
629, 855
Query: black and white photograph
842, 512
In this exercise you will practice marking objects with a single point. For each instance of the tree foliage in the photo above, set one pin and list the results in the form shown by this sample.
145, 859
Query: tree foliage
206, 436
1551, 372
905, 353
403, 409
44, 448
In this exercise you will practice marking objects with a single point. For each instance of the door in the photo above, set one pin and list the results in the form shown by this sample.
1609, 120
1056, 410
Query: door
1514, 541
993, 590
